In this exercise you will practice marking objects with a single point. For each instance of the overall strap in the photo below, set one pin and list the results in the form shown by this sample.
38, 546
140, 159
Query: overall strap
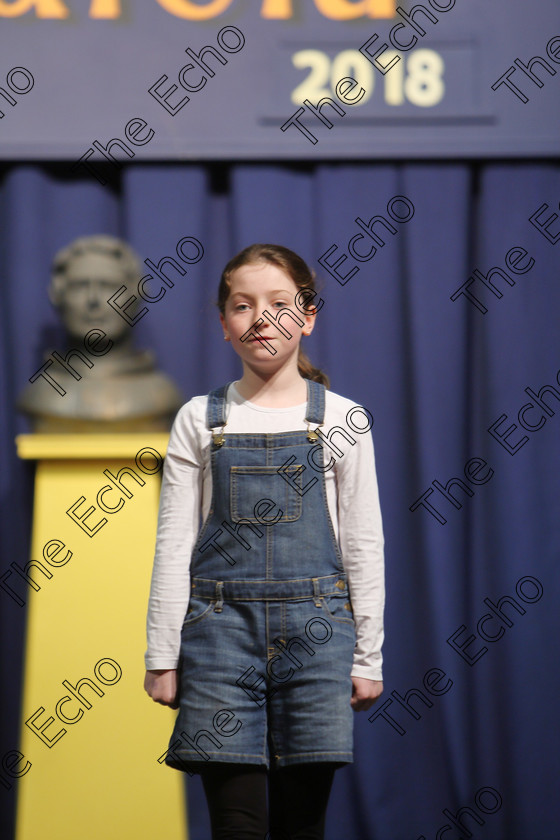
315, 402
216, 409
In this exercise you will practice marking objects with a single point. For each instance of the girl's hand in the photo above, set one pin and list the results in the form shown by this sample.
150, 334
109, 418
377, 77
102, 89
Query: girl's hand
162, 687
364, 693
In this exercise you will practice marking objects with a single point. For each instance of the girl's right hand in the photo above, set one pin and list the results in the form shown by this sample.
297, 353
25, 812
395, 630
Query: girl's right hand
162, 687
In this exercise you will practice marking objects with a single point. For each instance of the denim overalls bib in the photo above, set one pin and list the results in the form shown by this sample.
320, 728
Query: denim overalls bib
268, 640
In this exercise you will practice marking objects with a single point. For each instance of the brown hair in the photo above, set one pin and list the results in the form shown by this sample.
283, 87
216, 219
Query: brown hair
295, 268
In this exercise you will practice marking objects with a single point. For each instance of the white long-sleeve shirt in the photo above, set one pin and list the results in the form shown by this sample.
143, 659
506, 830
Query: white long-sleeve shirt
352, 498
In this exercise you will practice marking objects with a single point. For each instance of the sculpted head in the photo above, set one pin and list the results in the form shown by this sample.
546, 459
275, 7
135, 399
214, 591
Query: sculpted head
84, 276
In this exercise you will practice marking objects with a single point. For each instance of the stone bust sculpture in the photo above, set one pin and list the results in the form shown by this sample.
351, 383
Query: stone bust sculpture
101, 383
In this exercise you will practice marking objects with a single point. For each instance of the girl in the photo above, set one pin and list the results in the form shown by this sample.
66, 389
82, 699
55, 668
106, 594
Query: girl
283, 582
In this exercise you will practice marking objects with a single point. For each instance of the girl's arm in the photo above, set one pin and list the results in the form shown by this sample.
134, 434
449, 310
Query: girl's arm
361, 542
178, 524
365, 693
162, 687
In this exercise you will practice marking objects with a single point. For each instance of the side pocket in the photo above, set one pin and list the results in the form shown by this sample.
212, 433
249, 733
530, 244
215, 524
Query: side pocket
338, 608
198, 609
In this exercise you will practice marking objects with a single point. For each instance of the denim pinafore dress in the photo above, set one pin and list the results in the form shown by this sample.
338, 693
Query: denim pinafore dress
268, 639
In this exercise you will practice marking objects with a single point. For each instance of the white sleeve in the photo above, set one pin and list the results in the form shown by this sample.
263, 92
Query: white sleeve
178, 526
361, 543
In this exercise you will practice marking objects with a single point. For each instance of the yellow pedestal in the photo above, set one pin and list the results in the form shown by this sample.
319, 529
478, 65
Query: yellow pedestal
94, 770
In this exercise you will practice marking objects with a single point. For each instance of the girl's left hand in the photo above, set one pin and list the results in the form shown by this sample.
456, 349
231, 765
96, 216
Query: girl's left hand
364, 693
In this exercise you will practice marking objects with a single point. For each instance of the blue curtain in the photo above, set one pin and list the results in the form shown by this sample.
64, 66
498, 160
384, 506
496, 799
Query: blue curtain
466, 733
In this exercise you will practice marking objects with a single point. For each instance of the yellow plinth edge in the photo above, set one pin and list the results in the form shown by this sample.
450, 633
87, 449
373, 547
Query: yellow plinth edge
86, 446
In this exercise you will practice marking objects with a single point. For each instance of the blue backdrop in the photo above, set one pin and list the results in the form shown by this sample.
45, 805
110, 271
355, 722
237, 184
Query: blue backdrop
480, 731
436, 79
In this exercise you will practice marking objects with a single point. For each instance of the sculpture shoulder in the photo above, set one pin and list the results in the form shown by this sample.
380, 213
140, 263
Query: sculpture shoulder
124, 396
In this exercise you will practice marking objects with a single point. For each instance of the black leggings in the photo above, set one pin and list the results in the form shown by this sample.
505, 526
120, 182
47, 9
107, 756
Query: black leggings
297, 801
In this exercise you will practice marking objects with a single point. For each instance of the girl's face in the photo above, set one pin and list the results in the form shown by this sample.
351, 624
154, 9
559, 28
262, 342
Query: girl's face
255, 288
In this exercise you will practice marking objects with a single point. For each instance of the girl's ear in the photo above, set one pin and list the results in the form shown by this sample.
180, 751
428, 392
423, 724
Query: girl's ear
309, 323
223, 323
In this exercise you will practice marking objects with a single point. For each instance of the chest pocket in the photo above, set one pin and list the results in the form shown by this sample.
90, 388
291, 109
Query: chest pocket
251, 487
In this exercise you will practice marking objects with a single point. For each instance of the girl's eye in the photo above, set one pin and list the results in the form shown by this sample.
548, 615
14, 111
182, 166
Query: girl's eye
241, 307
280, 304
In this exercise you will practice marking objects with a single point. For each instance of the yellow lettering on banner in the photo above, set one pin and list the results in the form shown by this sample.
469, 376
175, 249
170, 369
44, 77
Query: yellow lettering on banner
106, 9
277, 9
43, 8
191, 11
344, 10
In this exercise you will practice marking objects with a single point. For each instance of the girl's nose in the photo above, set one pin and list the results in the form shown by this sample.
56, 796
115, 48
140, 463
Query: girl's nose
266, 320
